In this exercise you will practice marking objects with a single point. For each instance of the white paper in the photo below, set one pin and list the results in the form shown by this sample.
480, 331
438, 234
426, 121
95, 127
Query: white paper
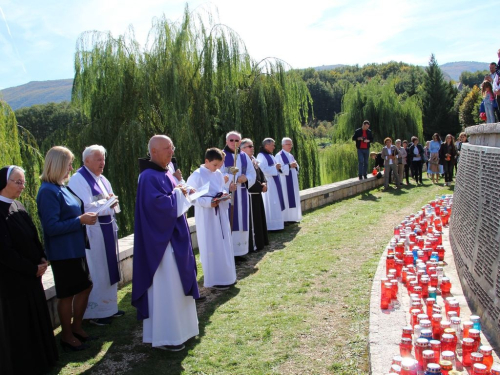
111, 201
201, 191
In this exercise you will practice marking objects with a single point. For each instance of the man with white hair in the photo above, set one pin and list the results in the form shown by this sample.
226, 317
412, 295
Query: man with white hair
274, 203
164, 285
244, 178
90, 185
289, 182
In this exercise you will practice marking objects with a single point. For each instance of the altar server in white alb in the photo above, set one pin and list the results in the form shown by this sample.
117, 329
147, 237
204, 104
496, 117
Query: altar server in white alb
212, 223
273, 199
289, 182
94, 190
245, 178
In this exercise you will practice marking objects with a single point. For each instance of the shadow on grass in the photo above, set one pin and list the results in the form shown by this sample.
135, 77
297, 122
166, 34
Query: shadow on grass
120, 350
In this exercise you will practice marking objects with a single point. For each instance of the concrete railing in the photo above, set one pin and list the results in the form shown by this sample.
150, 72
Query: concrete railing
309, 199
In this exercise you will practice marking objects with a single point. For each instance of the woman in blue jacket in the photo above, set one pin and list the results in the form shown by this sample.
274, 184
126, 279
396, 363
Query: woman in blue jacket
63, 219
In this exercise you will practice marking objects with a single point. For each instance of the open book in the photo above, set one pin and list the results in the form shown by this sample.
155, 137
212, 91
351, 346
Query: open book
111, 201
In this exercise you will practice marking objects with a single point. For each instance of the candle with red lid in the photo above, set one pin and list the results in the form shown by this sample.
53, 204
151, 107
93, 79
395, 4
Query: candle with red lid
467, 348
487, 352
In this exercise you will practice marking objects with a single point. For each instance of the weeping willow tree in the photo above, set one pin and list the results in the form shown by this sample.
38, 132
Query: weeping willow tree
388, 115
339, 161
20, 148
193, 81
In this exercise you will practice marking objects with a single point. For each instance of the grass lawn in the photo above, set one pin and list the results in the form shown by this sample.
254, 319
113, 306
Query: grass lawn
300, 306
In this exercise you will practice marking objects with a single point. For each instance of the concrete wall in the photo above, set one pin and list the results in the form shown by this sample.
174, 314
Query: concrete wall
309, 199
475, 224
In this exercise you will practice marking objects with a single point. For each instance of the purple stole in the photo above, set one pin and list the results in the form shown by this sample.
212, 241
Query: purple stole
270, 162
289, 182
106, 228
229, 162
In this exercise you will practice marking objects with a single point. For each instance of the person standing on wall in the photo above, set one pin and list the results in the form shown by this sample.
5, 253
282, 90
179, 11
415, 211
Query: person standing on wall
363, 137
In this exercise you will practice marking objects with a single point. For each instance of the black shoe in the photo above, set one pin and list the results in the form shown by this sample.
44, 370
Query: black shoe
85, 339
365, 177
101, 321
200, 298
360, 178
240, 259
171, 348
66, 346
119, 314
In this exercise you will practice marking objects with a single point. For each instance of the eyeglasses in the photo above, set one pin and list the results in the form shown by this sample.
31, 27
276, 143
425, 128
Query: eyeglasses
288, 144
249, 146
234, 140
19, 182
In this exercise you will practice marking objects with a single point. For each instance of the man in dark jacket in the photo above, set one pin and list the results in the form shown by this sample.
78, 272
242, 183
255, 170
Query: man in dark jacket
363, 137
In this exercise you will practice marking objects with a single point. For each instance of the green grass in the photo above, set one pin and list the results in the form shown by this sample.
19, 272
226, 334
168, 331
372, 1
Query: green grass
300, 307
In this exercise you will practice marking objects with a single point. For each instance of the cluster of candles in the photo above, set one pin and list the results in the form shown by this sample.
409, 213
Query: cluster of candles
437, 335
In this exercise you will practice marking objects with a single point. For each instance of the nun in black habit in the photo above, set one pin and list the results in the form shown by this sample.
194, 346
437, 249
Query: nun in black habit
257, 238
27, 344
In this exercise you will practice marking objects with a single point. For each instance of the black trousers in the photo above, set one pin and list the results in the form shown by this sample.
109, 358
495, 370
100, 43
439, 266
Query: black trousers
448, 170
416, 169
407, 174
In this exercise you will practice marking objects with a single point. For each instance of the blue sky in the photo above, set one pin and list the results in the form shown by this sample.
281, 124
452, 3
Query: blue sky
38, 37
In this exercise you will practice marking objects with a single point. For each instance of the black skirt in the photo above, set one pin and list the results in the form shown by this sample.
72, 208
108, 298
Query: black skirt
27, 344
71, 276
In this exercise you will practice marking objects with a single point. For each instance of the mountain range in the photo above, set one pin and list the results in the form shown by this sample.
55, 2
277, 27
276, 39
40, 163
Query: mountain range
42, 92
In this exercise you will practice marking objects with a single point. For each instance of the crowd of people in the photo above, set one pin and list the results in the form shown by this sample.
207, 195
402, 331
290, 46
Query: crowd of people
404, 159
238, 197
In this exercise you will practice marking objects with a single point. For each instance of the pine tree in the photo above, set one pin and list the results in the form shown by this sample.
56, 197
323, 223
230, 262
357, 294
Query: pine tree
437, 103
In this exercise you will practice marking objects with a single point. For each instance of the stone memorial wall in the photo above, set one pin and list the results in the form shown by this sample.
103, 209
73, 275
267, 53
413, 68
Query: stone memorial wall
475, 225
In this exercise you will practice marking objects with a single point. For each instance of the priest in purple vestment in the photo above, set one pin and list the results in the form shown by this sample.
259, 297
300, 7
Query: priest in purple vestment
164, 285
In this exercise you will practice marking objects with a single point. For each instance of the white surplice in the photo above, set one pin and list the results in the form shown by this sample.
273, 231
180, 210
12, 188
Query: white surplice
294, 213
172, 315
272, 205
102, 300
213, 230
240, 237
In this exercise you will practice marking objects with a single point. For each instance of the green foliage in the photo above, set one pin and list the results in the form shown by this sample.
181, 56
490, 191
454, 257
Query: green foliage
437, 103
194, 82
470, 79
378, 103
328, 87
469, 109
19, 148
339, 161
45, 119
8, 137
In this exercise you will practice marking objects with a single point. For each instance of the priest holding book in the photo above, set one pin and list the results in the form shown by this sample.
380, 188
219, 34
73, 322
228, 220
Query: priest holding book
90, 185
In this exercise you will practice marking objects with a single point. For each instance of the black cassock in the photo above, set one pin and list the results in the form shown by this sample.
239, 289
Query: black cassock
257, 214
27, 344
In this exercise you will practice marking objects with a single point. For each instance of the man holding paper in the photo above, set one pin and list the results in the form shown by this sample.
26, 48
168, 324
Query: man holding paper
212, 223
164, 285
95, 191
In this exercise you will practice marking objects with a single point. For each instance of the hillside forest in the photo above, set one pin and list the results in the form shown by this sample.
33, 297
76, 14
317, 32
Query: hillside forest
195, 82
